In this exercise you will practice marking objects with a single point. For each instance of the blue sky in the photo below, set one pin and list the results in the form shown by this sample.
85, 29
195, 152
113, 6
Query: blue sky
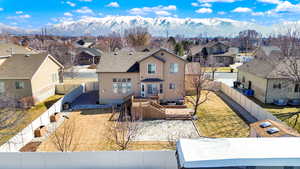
38, 13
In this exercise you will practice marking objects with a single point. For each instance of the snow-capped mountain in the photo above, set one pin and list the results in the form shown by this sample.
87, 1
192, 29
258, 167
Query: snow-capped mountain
12, 29
188, 27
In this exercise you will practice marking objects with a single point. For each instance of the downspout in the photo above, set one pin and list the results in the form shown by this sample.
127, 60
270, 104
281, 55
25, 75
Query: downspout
266, 94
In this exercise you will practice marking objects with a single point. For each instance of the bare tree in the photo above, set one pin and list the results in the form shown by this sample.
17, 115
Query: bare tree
10, 116
199, 85
138, 36
248, 39
64, 137
122, 133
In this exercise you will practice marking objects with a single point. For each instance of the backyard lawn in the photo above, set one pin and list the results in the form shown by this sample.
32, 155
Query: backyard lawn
217, 119
29, 115
90, 134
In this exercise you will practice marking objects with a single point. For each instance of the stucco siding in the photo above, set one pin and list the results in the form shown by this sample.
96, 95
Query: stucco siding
106, 94
144, 68
258, 84
43, 82
12, 91
287, 90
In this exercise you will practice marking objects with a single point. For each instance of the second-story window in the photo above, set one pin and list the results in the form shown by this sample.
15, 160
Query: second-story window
173, 68
151, 68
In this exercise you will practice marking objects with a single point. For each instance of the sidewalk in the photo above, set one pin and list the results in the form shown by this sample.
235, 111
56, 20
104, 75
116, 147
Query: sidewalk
244, 114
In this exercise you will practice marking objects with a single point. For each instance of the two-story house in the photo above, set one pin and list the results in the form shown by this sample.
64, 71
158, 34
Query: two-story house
213, 54
143, 74
29, 75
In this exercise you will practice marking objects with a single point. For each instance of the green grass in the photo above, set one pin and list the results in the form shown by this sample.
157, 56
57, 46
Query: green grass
217, 119
29, 116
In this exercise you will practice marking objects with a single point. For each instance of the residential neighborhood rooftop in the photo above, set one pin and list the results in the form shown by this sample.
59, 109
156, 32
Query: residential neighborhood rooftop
6, 49
27, 65
225, 152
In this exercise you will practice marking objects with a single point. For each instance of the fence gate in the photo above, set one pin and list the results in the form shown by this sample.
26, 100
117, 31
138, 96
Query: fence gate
91, 86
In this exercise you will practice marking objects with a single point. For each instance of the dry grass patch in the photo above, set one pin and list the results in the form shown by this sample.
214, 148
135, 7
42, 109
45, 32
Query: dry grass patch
91, 134
29, 116
217, 119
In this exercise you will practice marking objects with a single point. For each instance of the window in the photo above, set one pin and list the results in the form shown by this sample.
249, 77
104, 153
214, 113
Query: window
152, 89
121, 85
161, 88
243, 79
172, 86
151, 68
19, 85
277, 86
54, 77
2, 88
173, 68
297, 88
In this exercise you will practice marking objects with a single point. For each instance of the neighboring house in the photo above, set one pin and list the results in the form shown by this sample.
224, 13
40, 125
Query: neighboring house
270, 128
29, 75
244, 57
85, 43
88, 56
143, 74
8, 49
213, 54
268, 80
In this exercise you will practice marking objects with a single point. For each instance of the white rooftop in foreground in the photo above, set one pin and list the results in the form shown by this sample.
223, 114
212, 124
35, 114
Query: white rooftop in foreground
227, 152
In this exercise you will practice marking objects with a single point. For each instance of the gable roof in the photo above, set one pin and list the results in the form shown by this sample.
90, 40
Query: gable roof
91, 51
123, 61
259, 67
6, 49
23, 66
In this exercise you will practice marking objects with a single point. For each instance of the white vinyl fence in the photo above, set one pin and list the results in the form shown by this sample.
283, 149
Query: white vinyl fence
27, 134
90, 160
255, 110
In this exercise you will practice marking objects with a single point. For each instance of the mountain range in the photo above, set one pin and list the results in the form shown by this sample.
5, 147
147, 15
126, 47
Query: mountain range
162, 26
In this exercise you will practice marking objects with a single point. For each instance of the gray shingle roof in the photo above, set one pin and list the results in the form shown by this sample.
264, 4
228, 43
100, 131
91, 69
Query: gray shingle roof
120, 62
21, 66
7, 48
91, 51
125, 60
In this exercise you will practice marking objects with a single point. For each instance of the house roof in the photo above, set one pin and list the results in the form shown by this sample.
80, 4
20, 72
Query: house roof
123, 61
23, 66
6, 49
230, 152
258, 67
196, 49
91, 51
284, 130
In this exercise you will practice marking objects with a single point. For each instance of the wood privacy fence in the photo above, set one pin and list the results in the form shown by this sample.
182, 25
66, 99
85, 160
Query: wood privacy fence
27, 134
255, 110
